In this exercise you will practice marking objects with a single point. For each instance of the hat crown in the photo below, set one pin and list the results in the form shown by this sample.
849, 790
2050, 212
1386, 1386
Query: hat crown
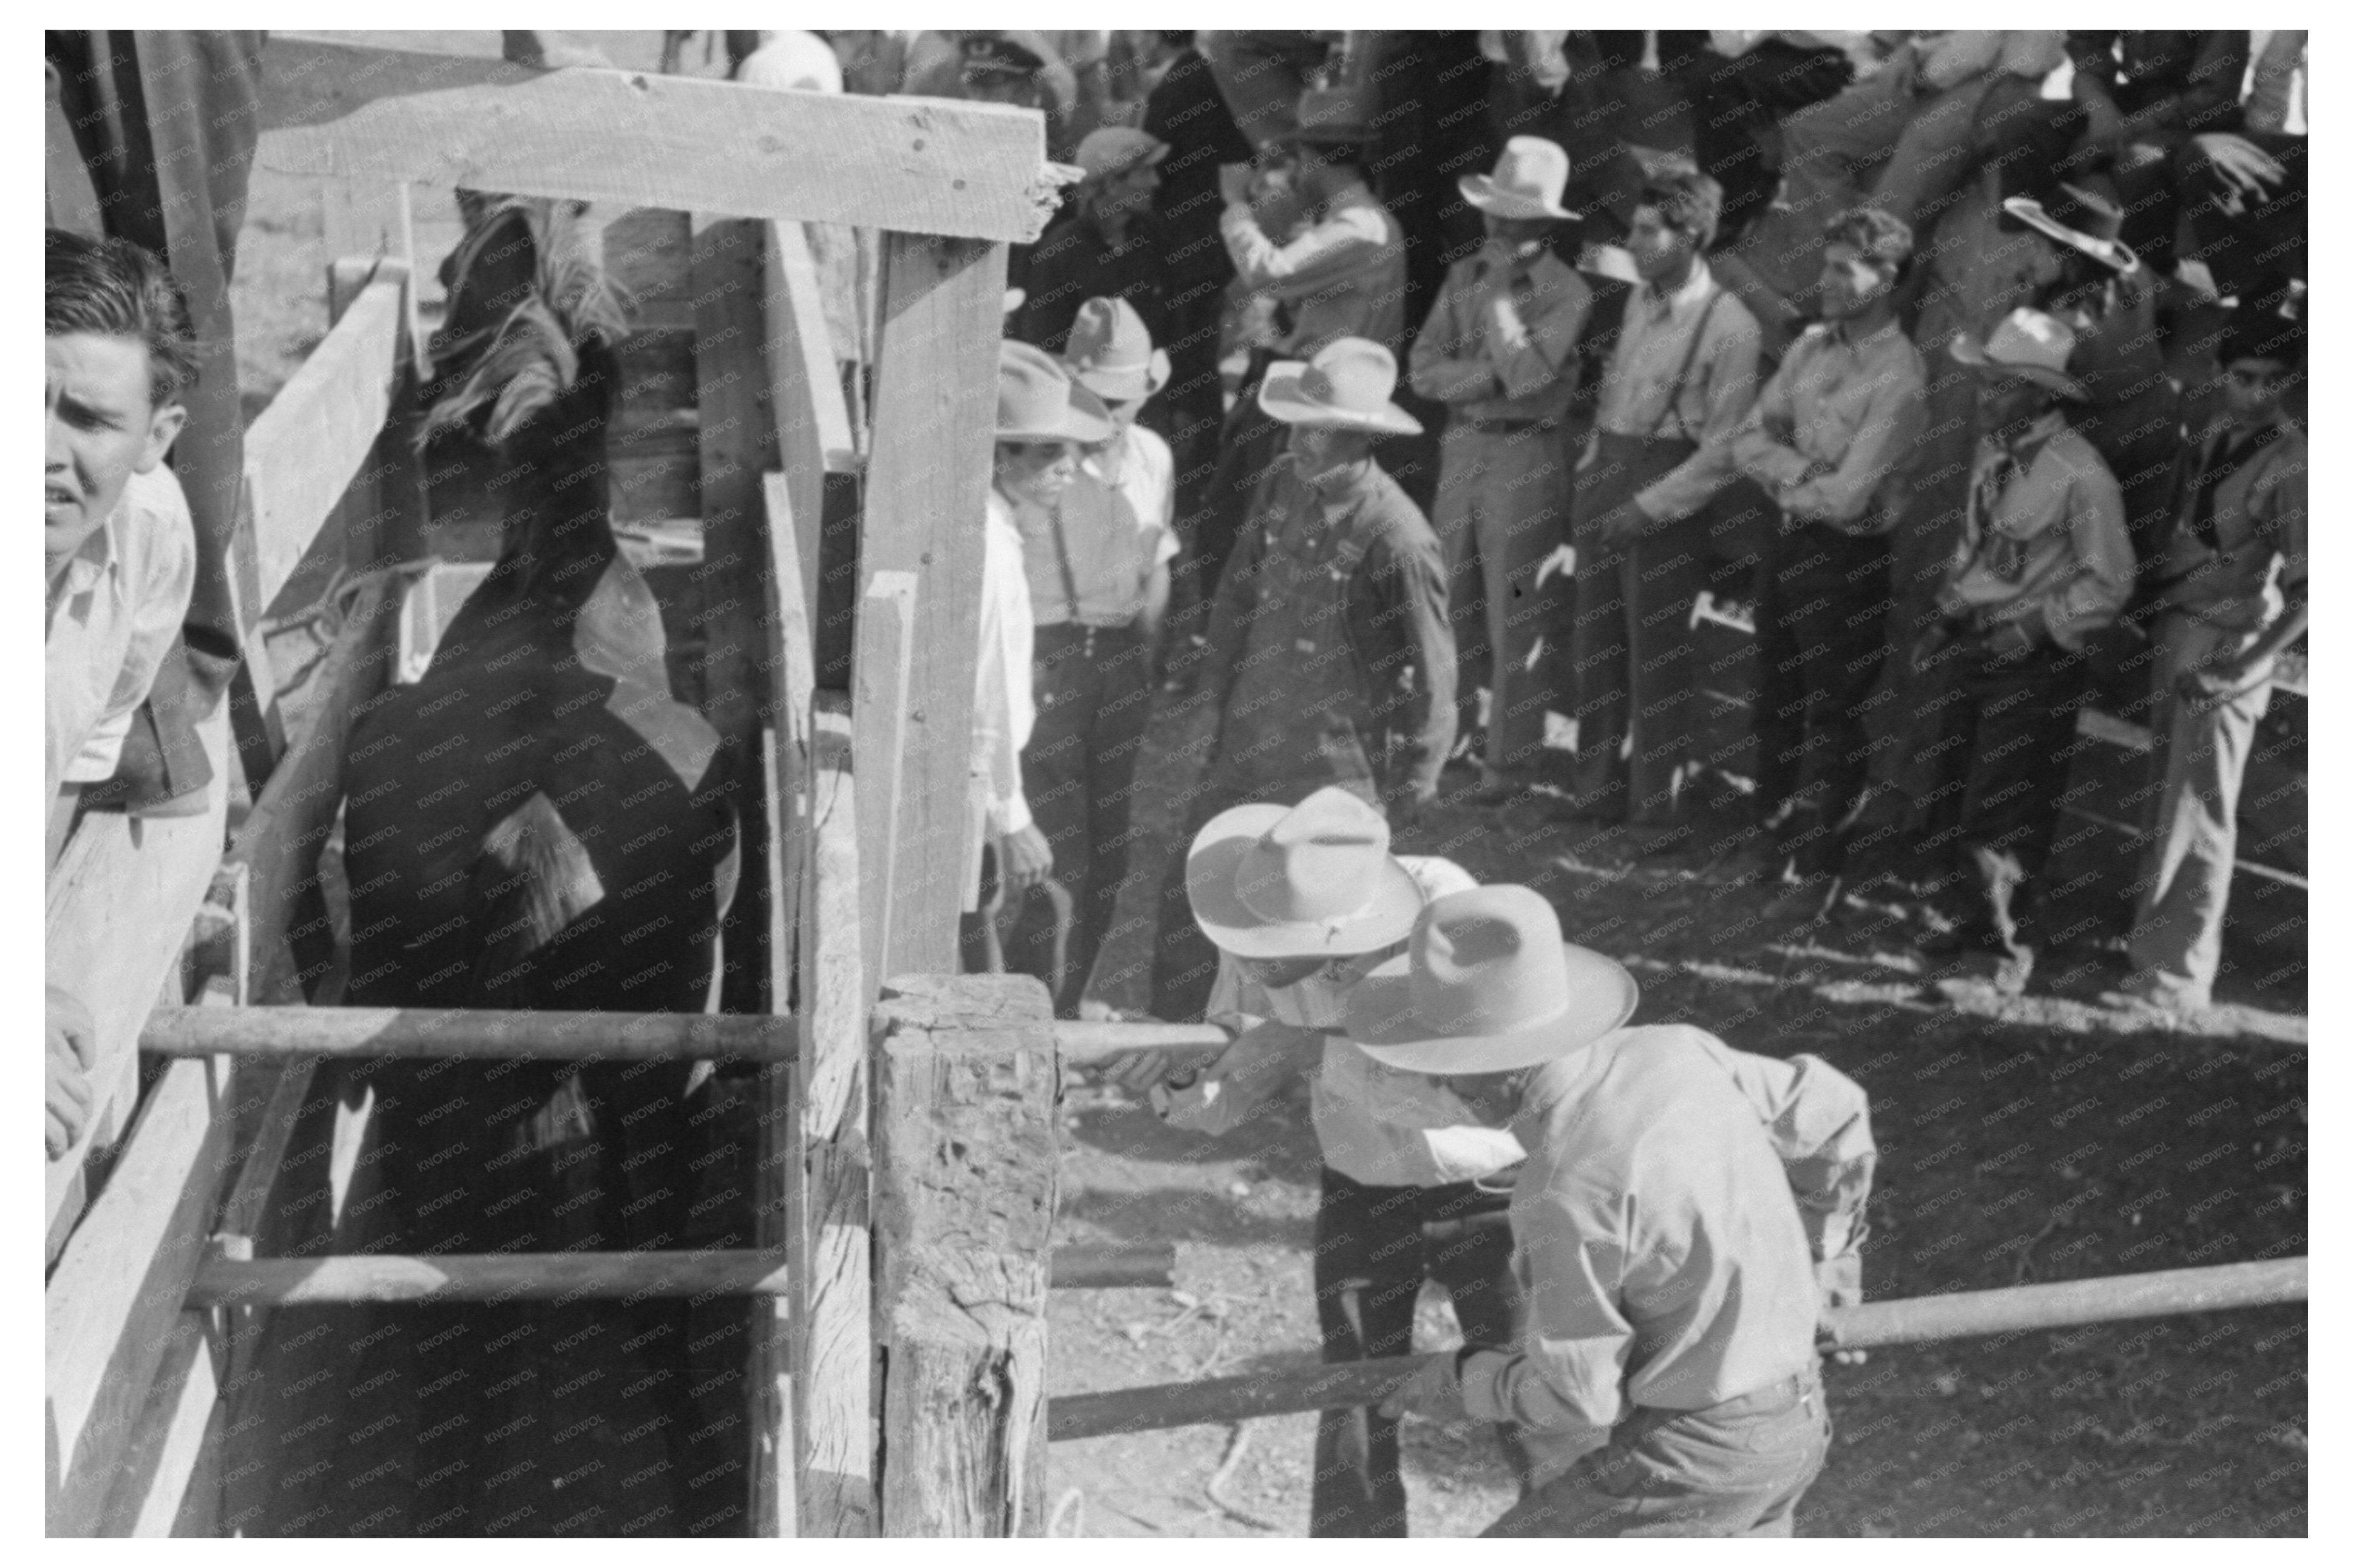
1488, 962
1533, 167
1037, 398
1108, 335
1114, 149
2030, 337
1353, 376
1343, 113
1321, 861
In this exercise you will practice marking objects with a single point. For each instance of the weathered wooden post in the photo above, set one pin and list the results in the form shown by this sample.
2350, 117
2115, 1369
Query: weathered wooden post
965, 1190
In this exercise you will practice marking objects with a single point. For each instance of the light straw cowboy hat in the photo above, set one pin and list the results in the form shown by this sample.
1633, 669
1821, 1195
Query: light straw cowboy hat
1311, 880
2029, 344
1345, 386
1115, 148
1527, 180
1038, 400
2079, 220
1110, 352
1488, 986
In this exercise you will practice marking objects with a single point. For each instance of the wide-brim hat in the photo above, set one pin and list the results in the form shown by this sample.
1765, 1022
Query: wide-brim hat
1110, 352
2029, 344
2083, 220
1527, 182
1038, 400
1488, 984
1345, 386
1313, 880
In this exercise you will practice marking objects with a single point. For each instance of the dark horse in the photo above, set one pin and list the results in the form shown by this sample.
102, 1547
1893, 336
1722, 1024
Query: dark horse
538, 824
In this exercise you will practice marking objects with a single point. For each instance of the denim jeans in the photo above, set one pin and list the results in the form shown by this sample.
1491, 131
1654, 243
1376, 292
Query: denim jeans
1735, 1469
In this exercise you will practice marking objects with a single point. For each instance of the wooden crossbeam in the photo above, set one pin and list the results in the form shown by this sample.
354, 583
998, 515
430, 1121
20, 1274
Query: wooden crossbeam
921, 164
371, 1032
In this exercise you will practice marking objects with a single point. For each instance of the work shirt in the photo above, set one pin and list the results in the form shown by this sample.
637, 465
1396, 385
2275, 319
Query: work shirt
1685, 367
1487, 368
1343, 276
1004, 712
2227, 563
2044, 531
1676, 1196
1393, 616
111, 621
1088, 557
1853, 408
1375, 1124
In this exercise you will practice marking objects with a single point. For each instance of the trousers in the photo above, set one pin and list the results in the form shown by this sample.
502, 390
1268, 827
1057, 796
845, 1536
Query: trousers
1503, 507
1821, 639
2185, 888
1371, 1256
1733, 1469
1093, 694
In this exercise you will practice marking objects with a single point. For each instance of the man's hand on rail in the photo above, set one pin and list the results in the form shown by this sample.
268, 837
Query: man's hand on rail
72, 1057
1839, 1281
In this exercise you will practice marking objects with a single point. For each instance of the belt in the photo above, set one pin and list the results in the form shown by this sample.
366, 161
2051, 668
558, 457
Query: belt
1779, 1394
1506, 426
1066, 634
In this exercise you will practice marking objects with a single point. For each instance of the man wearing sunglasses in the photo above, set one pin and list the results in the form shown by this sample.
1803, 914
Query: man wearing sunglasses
1302, 902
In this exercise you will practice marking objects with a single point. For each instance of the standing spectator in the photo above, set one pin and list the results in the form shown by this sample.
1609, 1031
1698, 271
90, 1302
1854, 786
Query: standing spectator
1680, 381
1097, 563
1742, 87
2154, 94
2233, 597
119, 551
2043, 562
1110, 249
1828, 433
1328, 661
1042, 419
1499, 351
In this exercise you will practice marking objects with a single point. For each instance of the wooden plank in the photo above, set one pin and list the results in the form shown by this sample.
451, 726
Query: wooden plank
119, 905
369, 1033
162, 1467
381, 519
965, 1190
805, 396
283, 1283
833, 1316
279, 841
884, 671
925, 165
120, 1283
737, 437
933, 432
317, 433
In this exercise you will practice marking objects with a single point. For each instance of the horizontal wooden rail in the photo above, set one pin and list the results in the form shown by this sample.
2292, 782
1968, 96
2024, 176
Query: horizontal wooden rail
1961, 1315
286, 1033
577, 1275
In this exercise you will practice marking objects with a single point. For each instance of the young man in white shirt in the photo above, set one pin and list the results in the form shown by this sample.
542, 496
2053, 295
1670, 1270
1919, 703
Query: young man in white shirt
118, 549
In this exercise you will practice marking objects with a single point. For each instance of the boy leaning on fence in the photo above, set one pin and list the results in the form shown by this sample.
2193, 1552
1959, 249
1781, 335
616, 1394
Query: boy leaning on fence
118, 545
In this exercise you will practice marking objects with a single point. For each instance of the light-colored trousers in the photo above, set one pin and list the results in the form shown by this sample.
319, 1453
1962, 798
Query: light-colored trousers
1506, 496
2176, 939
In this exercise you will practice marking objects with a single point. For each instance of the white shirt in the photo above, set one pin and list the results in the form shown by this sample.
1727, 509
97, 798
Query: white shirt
1375, 1124
1002, 710
1114, 532
111, 620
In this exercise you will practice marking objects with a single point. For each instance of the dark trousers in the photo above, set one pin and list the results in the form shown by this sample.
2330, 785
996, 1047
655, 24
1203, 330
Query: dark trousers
2000, 735
1820, 637
1735, 1469
1094, 693
1371, 1256
1189, 412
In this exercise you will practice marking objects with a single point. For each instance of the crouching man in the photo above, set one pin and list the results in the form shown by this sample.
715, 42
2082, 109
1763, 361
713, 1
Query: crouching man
1685, 1211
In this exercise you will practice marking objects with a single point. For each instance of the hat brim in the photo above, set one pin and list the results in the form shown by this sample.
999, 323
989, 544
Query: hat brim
1217, 854
1482, 191
1123, 385
1150, 158
1278, 397
1602, 998
1968, 350
2113, 254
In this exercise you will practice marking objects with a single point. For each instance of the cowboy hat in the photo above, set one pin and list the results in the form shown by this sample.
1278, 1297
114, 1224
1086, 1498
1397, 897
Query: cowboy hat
1114, 149
1488, 986
1527, 180
2081, 220
1038, 400
1311, 880
2029, 344
1110, 352
1345, 386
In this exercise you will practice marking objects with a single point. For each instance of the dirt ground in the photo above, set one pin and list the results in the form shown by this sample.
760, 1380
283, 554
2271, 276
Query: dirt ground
2022, 1139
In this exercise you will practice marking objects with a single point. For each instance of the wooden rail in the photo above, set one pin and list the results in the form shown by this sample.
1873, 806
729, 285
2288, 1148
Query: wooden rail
361, 1033
1959, 1315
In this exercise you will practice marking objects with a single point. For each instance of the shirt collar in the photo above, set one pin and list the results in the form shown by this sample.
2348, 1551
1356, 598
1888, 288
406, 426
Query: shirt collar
2029, 443
1694, 287
98, 557
1840, 333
